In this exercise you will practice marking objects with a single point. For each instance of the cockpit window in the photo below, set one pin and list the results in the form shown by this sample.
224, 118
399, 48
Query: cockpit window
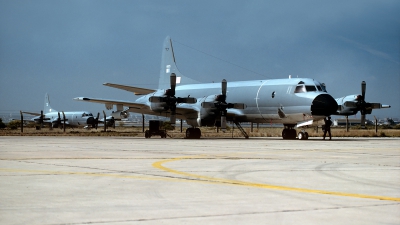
323, 87
300, 88
320, 86
310, 88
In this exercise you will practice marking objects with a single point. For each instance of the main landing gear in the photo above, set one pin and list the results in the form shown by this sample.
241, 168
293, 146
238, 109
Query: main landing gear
290, 133
193, 133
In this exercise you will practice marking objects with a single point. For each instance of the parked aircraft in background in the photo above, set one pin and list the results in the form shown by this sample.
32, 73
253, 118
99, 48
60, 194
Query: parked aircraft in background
291, 102
56, 119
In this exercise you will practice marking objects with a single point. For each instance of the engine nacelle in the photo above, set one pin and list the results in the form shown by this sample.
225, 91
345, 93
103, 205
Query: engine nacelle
347, 105
120, 115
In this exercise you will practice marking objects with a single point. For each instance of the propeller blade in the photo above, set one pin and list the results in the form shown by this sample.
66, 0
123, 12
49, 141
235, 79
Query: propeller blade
173, 83
41, 118
97, 120
363, 88
173, 118
239, 106
186, 100
105, 121
223, 122
156, 99
59, 120
376, 105
350, 104
208, 105
363, 121
224, 86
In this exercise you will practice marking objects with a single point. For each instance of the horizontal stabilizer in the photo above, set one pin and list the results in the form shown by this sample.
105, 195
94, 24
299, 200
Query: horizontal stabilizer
32, 113
135, 90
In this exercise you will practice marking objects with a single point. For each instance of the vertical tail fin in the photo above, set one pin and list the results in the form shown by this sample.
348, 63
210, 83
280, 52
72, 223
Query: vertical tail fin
47, 107
168, 66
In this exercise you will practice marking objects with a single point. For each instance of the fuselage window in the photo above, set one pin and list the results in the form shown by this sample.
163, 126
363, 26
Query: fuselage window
273, 94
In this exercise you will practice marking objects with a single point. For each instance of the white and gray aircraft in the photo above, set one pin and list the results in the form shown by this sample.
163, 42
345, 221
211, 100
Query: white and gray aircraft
291, 102
72, 119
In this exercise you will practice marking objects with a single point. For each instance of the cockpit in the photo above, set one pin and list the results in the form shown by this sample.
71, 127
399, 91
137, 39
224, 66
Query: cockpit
303, 87
86, 114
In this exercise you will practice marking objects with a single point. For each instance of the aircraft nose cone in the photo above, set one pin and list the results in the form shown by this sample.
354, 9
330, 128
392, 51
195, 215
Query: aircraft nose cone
90, 120
324, 105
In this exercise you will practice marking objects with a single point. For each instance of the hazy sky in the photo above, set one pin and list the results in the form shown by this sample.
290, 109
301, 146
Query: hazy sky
70, 48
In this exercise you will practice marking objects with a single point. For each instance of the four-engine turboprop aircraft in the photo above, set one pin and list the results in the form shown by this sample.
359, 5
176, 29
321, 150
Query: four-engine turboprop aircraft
55, 119
291, 102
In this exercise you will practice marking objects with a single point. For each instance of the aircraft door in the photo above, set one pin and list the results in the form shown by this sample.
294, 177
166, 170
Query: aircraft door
267, 101
262, 99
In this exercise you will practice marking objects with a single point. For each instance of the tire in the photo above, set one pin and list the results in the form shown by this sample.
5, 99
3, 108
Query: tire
301, 136
189, 133
285, 134
197, 133
293, 134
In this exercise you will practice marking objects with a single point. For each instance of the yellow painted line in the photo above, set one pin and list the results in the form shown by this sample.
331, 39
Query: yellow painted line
159, 165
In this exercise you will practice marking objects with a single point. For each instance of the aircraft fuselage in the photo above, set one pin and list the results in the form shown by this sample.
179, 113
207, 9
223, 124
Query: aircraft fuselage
286, 101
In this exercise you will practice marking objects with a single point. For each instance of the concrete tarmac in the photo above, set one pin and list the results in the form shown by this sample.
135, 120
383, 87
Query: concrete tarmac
124, 180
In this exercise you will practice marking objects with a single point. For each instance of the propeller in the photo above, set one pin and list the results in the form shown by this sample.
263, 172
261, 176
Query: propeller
41, 119
170, 100
361, 105
221, 105
58, 122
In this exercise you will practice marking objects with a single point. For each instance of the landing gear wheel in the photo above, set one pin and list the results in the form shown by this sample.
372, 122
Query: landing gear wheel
285, 134
193, 133
189, 132
147, 134
303, 135
300, 135
289, 133
197, 133
292, 134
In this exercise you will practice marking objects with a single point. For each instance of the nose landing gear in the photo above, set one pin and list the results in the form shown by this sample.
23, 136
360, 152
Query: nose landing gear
290, 133
302, 135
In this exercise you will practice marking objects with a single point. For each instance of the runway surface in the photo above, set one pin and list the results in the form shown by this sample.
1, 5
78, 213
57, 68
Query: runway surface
124, 180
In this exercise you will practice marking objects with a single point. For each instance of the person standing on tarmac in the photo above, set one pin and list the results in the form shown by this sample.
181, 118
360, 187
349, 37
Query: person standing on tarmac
328, 123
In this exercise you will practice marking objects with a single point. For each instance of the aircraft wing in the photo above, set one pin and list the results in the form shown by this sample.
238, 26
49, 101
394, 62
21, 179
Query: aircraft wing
110, 101
135, 90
